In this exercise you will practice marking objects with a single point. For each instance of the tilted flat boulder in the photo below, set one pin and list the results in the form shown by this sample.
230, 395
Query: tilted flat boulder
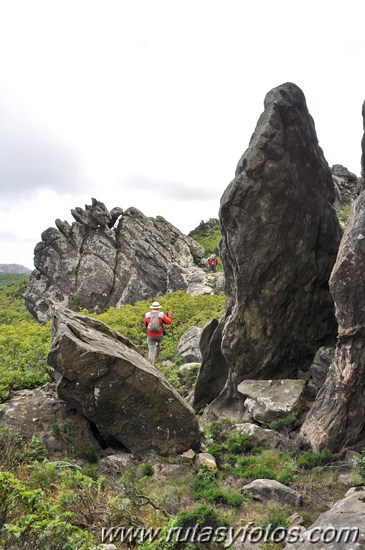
270, 489
111, 258
102, 374
268, 400
280, 237
337, 418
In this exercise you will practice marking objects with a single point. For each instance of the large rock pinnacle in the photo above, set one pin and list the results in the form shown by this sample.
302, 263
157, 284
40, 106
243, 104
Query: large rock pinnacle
280, 237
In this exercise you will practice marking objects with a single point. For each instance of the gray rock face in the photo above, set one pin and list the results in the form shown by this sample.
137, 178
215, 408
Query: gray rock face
188, 347
319, 370
337, 417
214, 370
343, 526
40, 412
96, 264
270, 489
280, 237
103, 376
268, 400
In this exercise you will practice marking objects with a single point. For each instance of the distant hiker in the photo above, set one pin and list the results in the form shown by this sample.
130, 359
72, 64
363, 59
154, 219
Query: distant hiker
153, 323
212, 262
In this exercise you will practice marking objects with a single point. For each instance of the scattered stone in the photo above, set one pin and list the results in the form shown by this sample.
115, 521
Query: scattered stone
268, 400
207, 460
102, 374
190, 454
167, 471
115, 464
270, 489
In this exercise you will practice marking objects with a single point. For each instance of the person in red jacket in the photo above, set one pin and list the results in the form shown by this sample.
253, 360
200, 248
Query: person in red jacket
212, 262
153, 324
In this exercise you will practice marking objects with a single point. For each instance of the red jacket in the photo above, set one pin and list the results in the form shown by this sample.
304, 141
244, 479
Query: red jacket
163, 318
213, 261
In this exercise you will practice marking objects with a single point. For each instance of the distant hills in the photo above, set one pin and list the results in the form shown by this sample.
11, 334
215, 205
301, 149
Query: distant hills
14, 268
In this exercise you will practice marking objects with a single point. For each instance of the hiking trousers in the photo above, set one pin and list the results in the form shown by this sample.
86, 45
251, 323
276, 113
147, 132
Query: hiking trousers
154, 346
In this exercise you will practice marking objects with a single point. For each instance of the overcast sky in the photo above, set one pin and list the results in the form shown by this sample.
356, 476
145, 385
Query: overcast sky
151, 103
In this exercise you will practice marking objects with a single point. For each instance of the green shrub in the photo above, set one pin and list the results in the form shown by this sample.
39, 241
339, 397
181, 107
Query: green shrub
12, 448
36, 448
208, 235
146, 470
270, 464
11, 282
359, 466
203, 515
29, 520
284, 424
343, 215
238, 443
274, 518
87, 452
311, 459
24, 345
219, 430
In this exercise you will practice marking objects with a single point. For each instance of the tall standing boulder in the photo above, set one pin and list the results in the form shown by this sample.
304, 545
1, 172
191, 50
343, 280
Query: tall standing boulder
337, 418
103, 376
280, 237
111, 258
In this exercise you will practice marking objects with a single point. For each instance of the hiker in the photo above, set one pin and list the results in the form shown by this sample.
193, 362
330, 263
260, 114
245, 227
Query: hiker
212, 262
153, 323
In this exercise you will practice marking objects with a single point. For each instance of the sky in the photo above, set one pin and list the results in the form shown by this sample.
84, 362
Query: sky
151, 103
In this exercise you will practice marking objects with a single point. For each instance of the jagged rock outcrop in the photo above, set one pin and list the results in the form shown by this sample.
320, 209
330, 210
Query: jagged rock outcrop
111, 258
280, 237
128, 400
337, 418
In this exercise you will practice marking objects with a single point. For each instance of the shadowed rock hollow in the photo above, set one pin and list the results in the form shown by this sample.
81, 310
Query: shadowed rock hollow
280, 237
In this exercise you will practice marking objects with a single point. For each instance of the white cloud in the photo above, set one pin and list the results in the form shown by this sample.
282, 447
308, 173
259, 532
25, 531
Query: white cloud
167, 90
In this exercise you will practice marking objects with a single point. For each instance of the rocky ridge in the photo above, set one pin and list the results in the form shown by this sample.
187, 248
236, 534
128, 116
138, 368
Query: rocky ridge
109, 258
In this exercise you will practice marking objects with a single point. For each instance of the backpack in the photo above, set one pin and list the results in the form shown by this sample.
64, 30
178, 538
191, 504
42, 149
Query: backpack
154, 324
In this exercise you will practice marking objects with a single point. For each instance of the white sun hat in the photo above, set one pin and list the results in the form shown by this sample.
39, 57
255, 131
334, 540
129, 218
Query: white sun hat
155, 305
